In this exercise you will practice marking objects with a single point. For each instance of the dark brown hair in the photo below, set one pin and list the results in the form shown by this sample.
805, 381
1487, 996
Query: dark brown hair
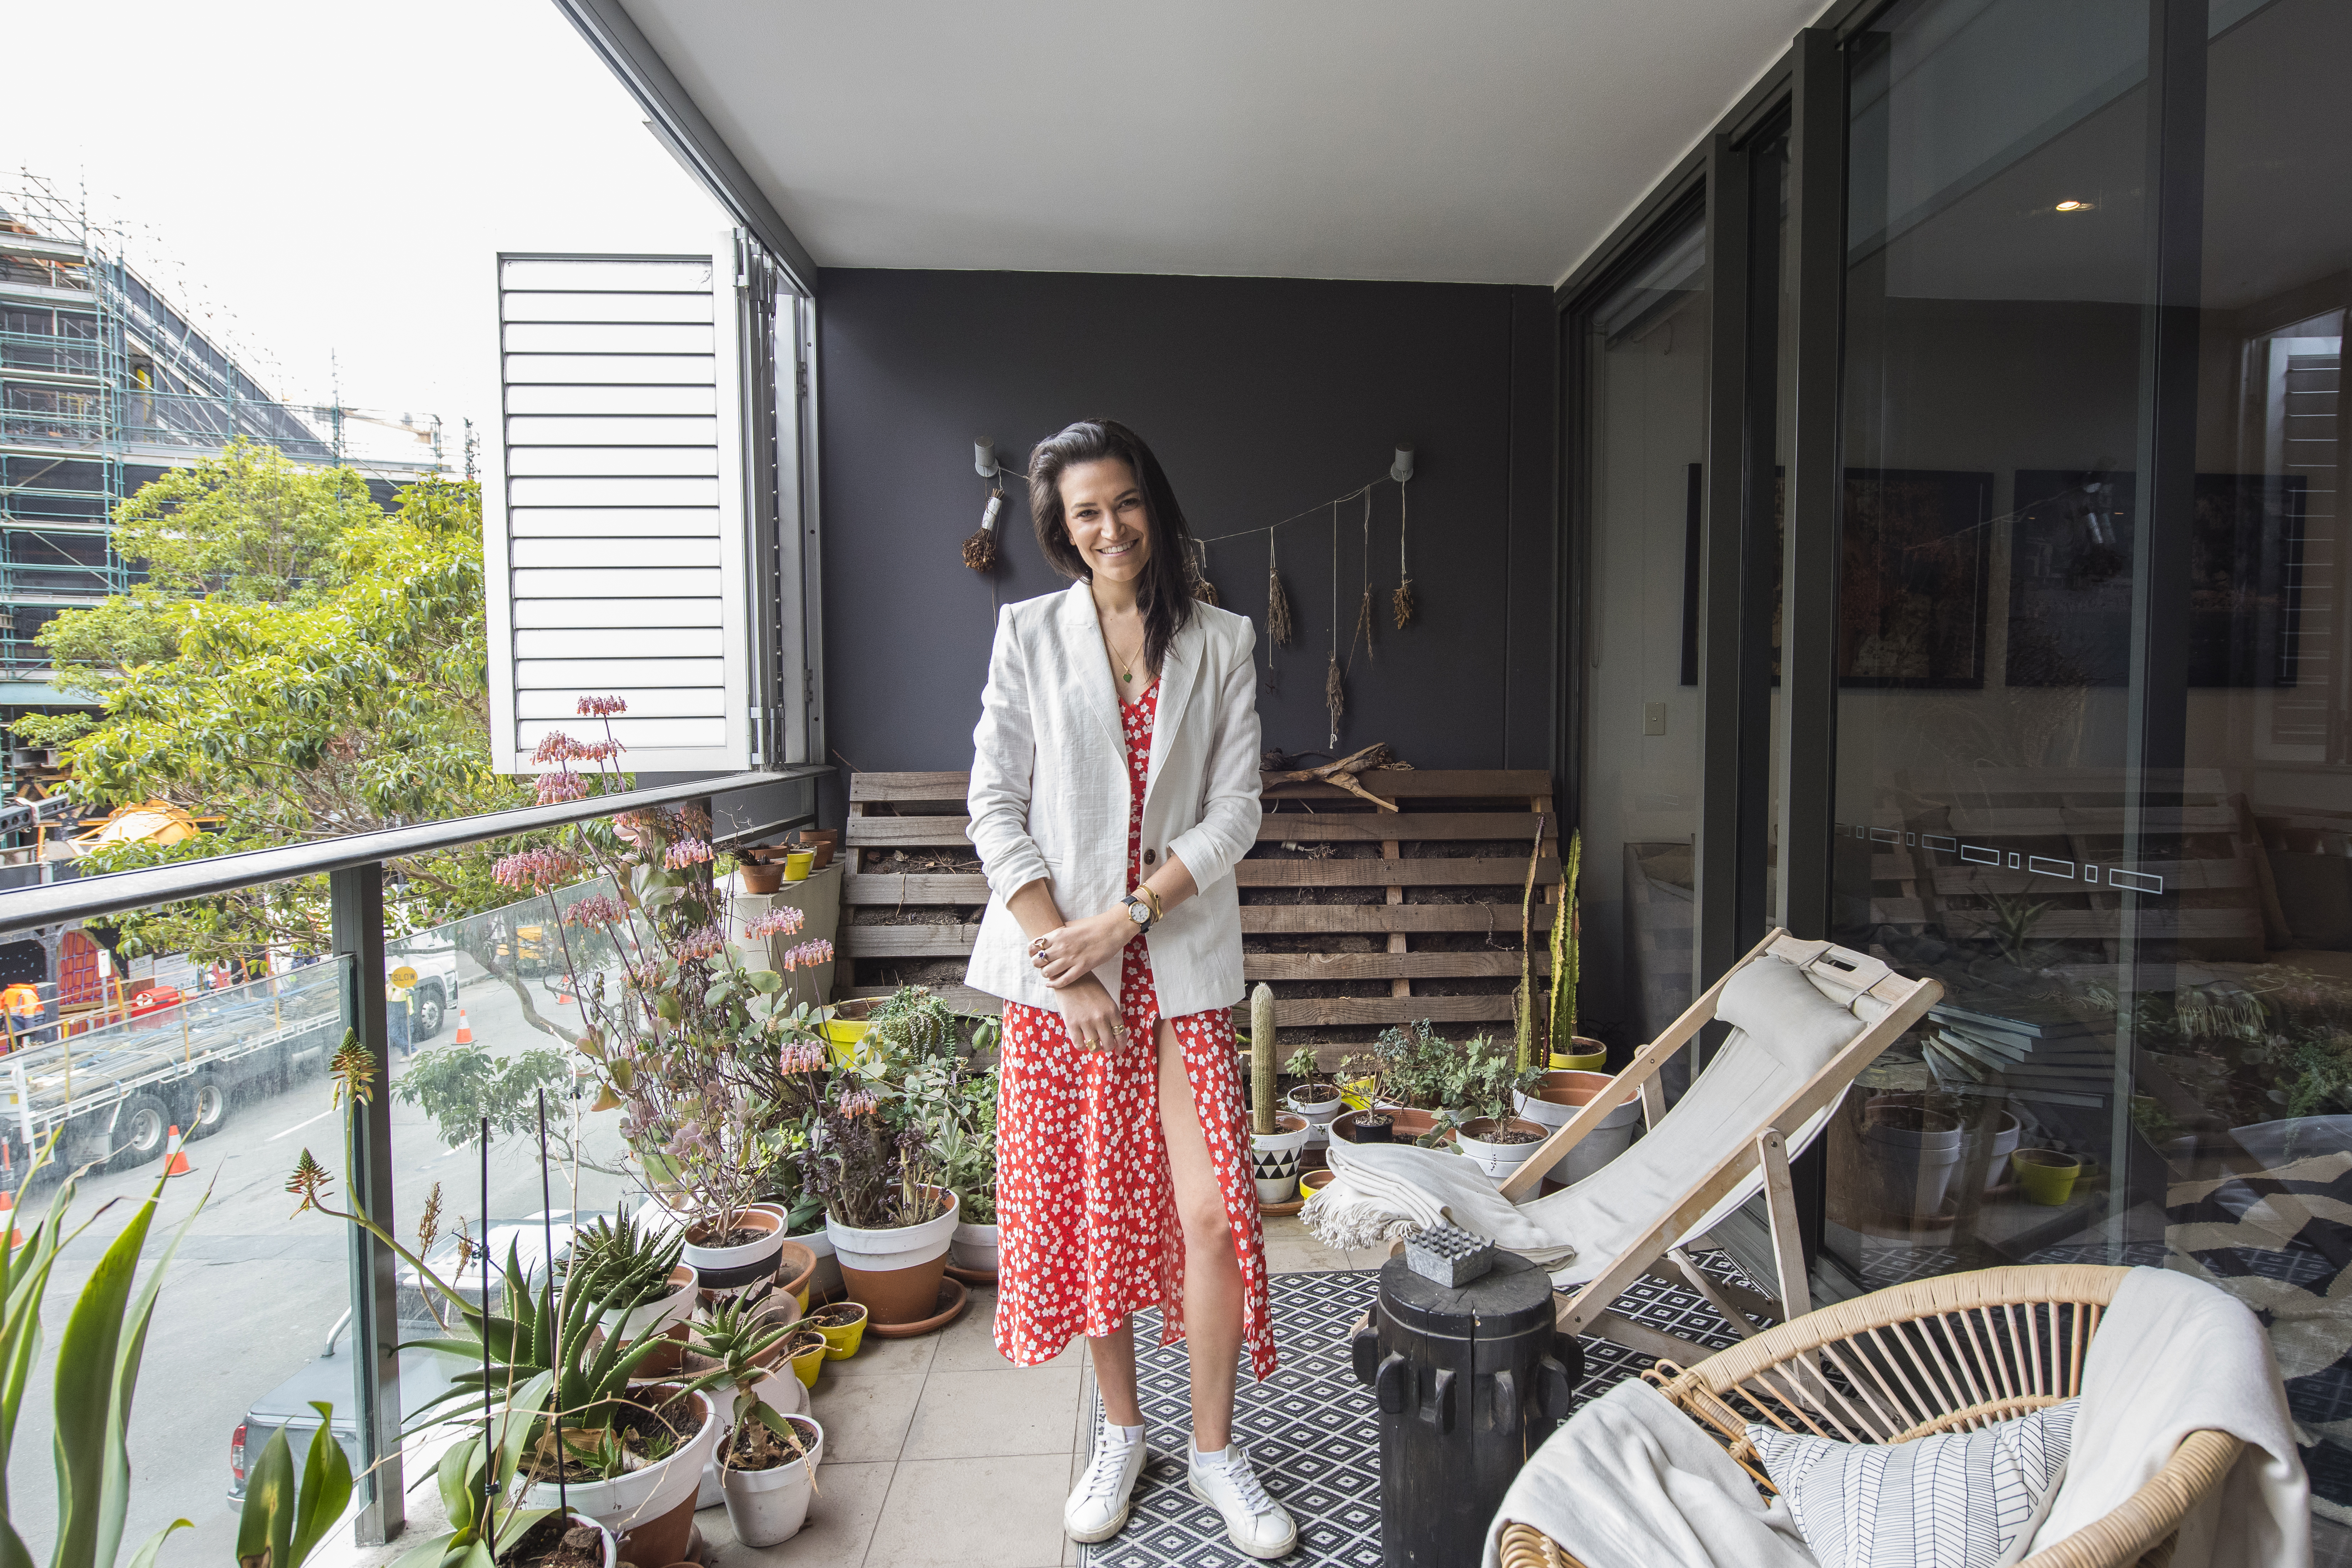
1164, 595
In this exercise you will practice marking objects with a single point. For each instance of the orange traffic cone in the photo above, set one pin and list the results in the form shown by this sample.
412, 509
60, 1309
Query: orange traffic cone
465, 1030
179, 1166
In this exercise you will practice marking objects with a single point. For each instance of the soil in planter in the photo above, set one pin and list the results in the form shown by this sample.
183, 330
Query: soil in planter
1374, 1122
1512, 1135
647, 1434
1315, 1093
838, 1316
556, 1542
742, 1236
755, 1446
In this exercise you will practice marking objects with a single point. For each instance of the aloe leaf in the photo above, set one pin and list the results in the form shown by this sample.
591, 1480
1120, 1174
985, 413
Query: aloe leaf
145, 1556
326, 1489
266, 1519
85, 1393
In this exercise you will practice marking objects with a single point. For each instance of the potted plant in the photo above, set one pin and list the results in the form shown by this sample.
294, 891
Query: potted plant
488, 1517
626, 1455
682, 1033
1488, 1132
1315, 1096
767, 1454
889, 1219
646, 1283
1276, 1138
1419, 1079
1569, 1051
1553, 1101
968, 1159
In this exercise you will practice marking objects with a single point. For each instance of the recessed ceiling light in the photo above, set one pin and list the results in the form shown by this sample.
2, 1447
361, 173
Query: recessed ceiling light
2071, 205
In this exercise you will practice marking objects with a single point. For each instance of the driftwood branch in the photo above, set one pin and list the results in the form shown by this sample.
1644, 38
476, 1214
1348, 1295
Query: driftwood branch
1342, 774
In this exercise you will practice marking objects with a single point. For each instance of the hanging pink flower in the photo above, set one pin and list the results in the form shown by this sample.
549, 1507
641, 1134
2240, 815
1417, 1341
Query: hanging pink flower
685, 853
781, 920
535, 870
802, 1056
808, 955
601, 707
562, 785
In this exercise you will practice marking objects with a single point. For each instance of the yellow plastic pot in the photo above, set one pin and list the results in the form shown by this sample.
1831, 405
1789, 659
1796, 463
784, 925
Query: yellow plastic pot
797, 864
2047, 1176
841, 1342
1590, 1057
1357, 1093
808, 1362
841, 1037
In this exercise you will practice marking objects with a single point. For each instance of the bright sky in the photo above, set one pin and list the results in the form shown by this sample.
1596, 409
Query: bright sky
330, 183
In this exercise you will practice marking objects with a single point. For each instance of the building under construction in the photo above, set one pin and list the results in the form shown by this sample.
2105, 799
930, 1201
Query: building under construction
105, 385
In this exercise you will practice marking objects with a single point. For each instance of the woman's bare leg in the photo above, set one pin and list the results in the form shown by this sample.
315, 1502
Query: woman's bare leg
1114, 1359
1212, 1276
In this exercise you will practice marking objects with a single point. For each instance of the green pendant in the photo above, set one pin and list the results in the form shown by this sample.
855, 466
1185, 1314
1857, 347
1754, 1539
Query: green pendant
1129, 676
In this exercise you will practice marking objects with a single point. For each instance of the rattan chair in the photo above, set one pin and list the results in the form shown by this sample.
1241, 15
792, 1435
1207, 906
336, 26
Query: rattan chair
1950, 1354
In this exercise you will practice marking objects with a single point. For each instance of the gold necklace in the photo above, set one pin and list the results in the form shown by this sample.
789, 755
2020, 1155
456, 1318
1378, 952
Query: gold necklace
1126, 668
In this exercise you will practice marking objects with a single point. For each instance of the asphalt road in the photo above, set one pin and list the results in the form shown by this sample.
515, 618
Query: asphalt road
255, 1289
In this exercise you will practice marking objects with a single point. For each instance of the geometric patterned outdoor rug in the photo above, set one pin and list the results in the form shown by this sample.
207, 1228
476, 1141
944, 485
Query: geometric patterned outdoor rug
1310, 1428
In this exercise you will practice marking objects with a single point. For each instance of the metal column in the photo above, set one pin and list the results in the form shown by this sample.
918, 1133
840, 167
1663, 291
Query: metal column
356, 899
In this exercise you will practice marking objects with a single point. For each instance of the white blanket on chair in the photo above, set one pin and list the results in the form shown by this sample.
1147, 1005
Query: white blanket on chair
1632, 1482
1787, 1026
2174, 1355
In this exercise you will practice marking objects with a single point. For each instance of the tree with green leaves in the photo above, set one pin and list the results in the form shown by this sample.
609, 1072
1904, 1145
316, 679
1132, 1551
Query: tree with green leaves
299, 664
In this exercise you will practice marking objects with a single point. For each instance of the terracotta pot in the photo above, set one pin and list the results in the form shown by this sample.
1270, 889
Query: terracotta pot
824, 841
896, 1272
661, 1540
795, 1269
652, 1509
761, 878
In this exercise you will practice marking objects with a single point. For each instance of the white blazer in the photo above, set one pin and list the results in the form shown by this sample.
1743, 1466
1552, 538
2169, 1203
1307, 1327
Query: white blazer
1049, 793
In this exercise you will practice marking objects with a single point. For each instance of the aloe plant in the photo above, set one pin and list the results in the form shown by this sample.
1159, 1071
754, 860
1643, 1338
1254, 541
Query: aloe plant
736, 1337
284, 1516
476, 1481
97, 1375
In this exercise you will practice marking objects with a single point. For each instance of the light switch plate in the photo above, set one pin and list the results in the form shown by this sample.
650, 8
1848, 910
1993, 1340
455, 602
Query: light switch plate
1653, 718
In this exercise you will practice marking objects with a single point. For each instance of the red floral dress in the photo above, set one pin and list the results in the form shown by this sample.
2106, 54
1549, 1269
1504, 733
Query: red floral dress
1085, 1210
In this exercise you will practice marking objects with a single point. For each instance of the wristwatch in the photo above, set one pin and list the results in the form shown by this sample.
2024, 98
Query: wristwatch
1138, 910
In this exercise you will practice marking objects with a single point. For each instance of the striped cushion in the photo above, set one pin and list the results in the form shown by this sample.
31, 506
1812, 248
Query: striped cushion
1961, 1500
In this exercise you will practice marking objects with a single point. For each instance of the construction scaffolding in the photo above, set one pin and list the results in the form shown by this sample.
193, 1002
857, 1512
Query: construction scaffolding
106, 385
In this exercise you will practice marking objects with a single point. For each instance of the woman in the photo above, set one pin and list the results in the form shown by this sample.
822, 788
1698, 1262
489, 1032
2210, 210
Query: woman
1114, 783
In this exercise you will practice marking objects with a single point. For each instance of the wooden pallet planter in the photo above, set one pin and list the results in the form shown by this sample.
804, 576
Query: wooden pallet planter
1358, 918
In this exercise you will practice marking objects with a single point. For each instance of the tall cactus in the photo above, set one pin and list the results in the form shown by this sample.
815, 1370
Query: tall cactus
1565, 961
1523, 1000
1262, 1059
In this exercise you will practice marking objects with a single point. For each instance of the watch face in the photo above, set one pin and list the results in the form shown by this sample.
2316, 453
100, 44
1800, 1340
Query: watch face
1138, 913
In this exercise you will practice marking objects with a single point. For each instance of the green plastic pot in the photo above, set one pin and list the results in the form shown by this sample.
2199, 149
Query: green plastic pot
2047, 1176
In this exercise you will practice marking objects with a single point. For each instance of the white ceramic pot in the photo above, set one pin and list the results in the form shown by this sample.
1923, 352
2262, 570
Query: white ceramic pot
780, 1388
1909, 1155
767, 1507
638, 1497
878, 1251
1319, 1114
666, 1314
1561, 1095
732, 1268
2004, 1143
612, 1541
974, 1246
1475, 1138
1273, 1158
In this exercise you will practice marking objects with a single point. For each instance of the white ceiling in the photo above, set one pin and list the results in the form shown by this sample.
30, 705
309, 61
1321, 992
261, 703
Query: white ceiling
1462, 141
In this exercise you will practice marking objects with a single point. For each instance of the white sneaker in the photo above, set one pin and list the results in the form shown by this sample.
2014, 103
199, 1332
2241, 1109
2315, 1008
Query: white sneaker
1098, 1506
1255, 1522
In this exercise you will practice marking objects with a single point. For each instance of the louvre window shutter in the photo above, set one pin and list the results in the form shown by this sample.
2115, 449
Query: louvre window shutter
615, 529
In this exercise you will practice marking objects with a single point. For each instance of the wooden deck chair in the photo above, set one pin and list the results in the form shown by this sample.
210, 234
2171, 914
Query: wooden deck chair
1761, 1098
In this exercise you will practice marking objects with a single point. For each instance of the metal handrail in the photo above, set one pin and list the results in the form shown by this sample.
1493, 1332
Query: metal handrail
86, 897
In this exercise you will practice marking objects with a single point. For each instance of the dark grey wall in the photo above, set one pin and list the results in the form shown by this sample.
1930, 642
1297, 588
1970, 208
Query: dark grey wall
1262, 397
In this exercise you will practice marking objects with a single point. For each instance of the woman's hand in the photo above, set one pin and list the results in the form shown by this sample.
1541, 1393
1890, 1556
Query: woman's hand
1089, 1017
1069, 952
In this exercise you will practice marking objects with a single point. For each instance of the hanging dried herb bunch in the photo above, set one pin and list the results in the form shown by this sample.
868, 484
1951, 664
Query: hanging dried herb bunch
1402, 600
1335, 697
1363, 631
1279, 626
979, 551
1203, 591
